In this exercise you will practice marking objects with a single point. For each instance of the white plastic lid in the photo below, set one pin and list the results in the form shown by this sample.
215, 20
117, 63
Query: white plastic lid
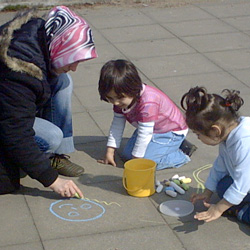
177, 208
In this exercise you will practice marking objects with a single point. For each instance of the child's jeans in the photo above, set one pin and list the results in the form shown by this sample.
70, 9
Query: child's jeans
244, 211
164, 149
53, 128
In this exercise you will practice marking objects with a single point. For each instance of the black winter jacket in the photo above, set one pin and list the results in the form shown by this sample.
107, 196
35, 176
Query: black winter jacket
24, 88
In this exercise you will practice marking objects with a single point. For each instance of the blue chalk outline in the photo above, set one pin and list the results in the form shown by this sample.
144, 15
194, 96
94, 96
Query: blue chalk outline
90, 219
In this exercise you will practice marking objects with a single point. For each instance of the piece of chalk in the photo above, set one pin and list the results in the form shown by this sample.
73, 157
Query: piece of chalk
177, 188
182, 177
175, 177
177, 182
157, 183
184, 186
186, 180
167, 183
159, 188
168, 188
171, 193
77, 195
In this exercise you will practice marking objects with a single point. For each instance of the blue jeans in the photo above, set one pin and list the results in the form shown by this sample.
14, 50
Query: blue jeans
244, 206
53, 128
164, 149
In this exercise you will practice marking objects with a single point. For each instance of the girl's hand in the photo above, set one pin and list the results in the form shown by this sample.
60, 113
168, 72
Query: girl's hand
214, 210
109, 158
107, 161
211, 214
205, 196
66, 188
196, 197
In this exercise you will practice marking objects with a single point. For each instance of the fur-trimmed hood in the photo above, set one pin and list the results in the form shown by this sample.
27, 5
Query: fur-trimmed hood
17, 59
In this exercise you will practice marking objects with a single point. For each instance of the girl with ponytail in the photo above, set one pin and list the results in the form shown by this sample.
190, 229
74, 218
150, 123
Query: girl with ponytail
215, 120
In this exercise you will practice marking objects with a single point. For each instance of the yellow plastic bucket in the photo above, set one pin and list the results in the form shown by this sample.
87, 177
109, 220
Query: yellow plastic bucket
139, 177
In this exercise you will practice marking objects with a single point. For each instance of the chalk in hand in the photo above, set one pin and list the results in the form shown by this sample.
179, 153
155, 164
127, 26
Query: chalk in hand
77, 195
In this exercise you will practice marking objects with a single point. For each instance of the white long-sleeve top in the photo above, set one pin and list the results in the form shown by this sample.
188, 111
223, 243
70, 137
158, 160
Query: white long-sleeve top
145, 133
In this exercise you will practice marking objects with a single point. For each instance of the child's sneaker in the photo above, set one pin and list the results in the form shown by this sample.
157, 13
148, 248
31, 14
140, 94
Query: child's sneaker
188, 148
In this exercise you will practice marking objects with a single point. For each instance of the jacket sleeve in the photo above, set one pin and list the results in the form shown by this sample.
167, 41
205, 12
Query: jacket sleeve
17, 114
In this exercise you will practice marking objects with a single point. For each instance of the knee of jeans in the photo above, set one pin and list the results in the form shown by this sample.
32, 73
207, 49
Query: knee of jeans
56, 140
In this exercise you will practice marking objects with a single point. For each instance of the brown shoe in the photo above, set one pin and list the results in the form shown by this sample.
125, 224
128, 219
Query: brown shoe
64, 166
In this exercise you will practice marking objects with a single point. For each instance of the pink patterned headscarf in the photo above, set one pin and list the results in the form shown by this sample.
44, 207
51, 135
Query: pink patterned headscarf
69, 37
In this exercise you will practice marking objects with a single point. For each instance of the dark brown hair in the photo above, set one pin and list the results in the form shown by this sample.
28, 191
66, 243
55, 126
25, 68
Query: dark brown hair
204, 110
120, 76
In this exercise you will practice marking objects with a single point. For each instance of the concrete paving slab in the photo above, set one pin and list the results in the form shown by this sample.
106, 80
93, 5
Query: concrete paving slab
218, 42
90, 72
139, 239
188, 13
199, 27
26, 246
94, 103
241, 23
219, 234
98, 36
117, 17
154, 48
176, 65
104, 119
76, 105
243, 75
222, 10
88, 128
136, 33
107, 52
231, 59
14, 221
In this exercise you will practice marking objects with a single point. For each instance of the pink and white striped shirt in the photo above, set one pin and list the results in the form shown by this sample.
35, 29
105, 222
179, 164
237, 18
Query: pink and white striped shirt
155, 106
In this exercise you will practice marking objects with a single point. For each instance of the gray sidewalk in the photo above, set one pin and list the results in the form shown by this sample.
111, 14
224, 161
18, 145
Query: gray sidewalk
206, 44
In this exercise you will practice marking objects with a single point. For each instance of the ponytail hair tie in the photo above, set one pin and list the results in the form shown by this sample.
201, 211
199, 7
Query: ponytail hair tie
228, 104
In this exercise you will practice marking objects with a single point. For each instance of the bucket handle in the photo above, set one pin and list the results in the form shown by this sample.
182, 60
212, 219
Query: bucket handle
124, 185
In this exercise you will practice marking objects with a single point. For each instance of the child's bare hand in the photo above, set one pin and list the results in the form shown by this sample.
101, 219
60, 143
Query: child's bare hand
205, 196
107, 161
109, 157
211, 214
196, 197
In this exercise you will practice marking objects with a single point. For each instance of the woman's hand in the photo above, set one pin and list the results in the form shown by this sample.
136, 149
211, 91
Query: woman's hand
66, 188
109, 157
